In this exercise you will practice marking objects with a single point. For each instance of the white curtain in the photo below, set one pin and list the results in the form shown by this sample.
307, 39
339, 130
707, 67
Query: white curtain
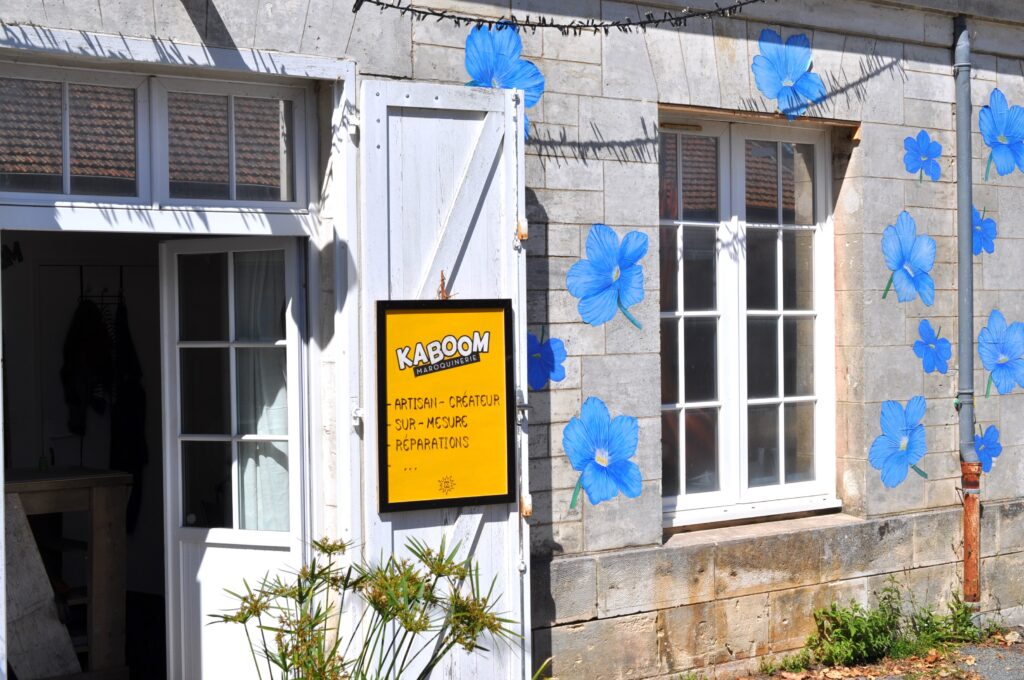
262, 390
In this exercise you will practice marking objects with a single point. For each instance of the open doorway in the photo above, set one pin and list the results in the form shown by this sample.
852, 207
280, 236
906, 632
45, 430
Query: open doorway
81, 340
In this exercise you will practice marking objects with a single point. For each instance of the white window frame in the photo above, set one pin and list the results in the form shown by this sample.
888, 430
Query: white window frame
734, 499
151, 141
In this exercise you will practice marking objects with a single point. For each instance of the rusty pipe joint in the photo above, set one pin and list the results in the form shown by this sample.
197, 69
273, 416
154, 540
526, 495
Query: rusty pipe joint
971, 479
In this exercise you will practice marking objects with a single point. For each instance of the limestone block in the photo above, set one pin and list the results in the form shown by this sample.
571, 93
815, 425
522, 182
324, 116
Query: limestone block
933, 86
624, 383
279, 24
627, 72
557, 307
666, 55
879, 500
83, 16
741, 567
882, 146
579, 338
1010, 79
929, 115
883, 319
888, 375
1011, 526
563, 590
232, 24
852, 475
560, 109
619, 129
440, 33
443, 64
648, 454
381, 42
547, 273
583, 651
585, 47
927, 586
624, 522
647, 580
622, 337
847, 86
742, 625
1006, 481
631, 195
792, 615
23, 12
883, 79
731, 54
550, 507
866, 548
990, 531
563, 240
886, 201
1002, 268
689, 636
938, 537
927, 59
556, 406
1002, 581
556, 205
129, 18
563, 538
551, 473
574, 173
570, 77
1011, 418
700, 65
553, 141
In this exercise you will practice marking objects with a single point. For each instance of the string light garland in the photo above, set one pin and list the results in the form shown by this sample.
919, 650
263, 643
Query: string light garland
577, 27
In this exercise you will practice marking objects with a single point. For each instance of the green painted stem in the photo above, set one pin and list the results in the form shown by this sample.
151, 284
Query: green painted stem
919, 471
988, 386
988, 166
888, 285
629, 316
920, 176
576, 493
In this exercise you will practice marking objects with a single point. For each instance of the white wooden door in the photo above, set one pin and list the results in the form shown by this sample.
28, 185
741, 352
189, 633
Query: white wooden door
442, 191
230, 348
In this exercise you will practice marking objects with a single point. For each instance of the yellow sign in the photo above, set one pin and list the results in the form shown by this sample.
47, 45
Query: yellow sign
445, 403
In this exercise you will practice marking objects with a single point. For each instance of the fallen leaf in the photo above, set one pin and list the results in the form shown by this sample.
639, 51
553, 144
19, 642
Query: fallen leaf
834, 674
788, 675
969, 661
932, 656
1012, 637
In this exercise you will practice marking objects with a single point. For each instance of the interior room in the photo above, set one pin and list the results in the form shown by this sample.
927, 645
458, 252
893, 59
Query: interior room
82, 408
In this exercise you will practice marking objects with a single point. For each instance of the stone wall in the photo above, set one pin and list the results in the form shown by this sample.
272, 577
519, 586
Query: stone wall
612, 598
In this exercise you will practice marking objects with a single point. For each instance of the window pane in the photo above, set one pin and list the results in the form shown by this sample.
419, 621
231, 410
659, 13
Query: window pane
701, 450
31, 134
262, 390
798, 356
762, 182
203, 296
669, 453
799, 442
205, 396
669, 254
668, 164
762, 357
206, 484
797, 269
797, 184
700, 351
198, 146
762, 245
669, 361
762, 445
102, 121
263, 486
699, 268
259, 295
263, 149
700, 178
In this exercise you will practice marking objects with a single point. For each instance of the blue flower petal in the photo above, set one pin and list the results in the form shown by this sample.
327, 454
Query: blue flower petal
631, 286
997, 325
599, 308
892, 420
894, 472
932, 169
770, 45
915, 410
585, 278
1003, 159
791, 103
1017, 366
798, 56
624, 435
598, 483
1017, 149
811, 87
906, 229
1013, 341
626, 475
766, 77
944, 349
603, 247
525, 76
917, 444
578, 444
597, 420
922, 254
903, 282
925, 288
1013, 127
633, 248
892, 249
882, 449
925, 330
1003, 378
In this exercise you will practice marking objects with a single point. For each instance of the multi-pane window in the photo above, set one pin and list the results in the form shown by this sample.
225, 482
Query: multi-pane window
75, 136
745, 322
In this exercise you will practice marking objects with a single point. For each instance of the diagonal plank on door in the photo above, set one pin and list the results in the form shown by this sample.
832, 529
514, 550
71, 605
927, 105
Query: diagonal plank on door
478, 175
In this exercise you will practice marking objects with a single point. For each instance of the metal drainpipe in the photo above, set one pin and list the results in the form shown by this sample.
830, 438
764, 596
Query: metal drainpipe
970, 467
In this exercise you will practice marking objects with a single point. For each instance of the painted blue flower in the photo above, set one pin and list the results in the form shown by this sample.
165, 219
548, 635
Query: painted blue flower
910, 257
1002, 128
985, 233
783, 72
492, 60
600, 448
544, 361
610, 278
921, 155
988, 447
933, 351
1001, 349
902, 442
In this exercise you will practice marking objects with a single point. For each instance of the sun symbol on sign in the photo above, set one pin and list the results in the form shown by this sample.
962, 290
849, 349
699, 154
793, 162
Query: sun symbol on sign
446, 484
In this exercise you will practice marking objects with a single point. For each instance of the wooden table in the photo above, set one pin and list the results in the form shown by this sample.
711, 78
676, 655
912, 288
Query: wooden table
104, 495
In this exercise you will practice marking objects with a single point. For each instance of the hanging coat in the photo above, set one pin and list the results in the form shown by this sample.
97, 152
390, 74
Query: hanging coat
128, 451
87, 373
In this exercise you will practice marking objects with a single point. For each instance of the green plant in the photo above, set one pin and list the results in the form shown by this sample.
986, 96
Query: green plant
895, 627
415, 610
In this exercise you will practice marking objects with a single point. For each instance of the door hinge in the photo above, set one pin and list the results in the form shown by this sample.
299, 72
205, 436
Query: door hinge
357, 416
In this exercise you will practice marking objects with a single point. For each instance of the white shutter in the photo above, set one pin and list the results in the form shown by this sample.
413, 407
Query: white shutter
442, 189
